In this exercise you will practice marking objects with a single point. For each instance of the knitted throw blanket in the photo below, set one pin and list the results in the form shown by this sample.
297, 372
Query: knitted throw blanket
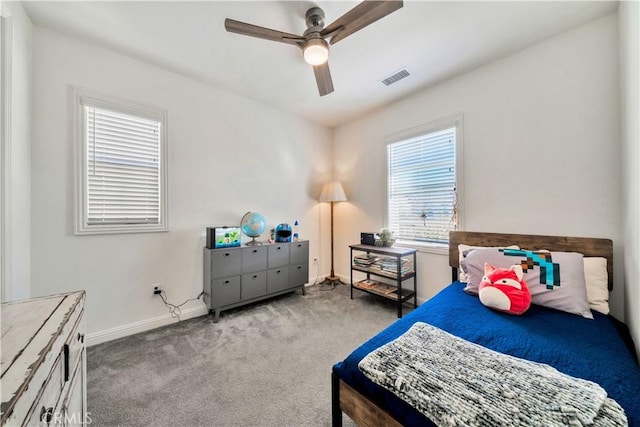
454, 382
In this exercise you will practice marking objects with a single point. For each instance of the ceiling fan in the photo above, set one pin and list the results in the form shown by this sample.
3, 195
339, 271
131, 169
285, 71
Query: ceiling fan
315, 47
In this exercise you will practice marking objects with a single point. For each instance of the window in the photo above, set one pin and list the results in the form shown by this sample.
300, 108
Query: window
423, 180
122, 167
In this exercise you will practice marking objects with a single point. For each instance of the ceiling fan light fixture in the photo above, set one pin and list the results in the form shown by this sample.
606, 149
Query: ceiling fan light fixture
315, 48
316, 51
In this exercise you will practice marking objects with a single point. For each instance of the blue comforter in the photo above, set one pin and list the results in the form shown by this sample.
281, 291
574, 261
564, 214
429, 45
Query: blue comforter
583, 348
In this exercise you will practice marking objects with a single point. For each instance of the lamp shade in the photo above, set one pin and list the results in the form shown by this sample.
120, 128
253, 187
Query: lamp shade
333, 192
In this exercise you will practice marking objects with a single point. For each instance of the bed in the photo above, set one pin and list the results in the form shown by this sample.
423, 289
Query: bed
597, 350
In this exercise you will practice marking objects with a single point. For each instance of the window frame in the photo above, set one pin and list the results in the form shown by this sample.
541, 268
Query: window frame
456, 121
82, 98
6, 81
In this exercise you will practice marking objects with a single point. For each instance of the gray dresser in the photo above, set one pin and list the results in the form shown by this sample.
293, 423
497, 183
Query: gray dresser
242, 275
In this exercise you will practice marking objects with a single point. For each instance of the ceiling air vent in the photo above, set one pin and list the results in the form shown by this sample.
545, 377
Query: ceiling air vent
397, 76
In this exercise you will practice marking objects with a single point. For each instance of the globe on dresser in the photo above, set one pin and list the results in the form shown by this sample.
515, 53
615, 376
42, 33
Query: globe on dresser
253, 225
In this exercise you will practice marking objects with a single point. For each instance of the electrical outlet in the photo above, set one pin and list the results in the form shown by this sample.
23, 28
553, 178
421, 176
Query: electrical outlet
156, 289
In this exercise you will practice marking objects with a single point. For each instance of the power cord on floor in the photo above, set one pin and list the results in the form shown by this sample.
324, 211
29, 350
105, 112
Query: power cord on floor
174, 310
317, 271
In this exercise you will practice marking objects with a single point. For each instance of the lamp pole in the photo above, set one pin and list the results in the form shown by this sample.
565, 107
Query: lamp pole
333, 277
332, 192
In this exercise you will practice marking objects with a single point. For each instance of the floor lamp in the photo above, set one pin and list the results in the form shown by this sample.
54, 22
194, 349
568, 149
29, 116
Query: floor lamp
332, 192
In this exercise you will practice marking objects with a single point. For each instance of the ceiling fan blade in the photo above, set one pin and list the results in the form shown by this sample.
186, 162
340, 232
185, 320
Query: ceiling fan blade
323, 78
367, 12
243, 28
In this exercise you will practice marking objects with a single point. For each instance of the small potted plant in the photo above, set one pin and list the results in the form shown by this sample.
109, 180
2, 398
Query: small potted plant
385, 238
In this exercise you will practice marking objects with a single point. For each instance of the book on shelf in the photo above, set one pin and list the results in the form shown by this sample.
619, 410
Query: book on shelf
367, 284
384, 264
376, 286
391, 265
365, 259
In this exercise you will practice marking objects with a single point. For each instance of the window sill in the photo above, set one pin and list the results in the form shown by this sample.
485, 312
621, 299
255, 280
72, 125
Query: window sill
85, 231
432, 248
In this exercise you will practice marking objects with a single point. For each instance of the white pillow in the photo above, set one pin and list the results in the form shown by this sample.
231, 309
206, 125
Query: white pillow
462, 275
596, 278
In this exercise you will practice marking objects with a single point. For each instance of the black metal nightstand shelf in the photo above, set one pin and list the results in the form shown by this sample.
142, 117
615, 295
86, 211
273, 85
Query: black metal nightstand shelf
398, 264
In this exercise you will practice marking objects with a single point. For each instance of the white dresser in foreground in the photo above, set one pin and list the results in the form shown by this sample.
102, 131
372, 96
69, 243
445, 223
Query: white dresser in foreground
44, 362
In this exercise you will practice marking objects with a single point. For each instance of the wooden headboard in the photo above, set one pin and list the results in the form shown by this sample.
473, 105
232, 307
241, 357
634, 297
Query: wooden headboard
590, 247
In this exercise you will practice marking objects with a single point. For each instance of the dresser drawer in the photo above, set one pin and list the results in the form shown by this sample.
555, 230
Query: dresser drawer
278, 254
254, 259
298, 274
254, 285
300, 252
45, 410
73, 404
278, 279
225, 291
225, 263
73, 347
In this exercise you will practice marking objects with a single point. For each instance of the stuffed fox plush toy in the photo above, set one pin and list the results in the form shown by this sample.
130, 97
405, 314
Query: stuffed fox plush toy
504, 289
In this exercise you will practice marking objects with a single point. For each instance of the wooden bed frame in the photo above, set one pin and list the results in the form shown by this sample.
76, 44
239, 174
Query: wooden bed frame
363, 411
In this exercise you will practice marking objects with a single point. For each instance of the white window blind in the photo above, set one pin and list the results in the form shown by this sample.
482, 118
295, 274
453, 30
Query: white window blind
422, 186
123, 168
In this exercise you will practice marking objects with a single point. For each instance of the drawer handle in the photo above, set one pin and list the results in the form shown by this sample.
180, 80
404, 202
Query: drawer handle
278, 248
255, 251
227, 254
299, 245
299, 267
255, 276
46, 415
226, 282
66, 363
278, 272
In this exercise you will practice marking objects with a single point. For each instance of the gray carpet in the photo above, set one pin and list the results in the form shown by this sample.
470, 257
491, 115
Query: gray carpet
268, 364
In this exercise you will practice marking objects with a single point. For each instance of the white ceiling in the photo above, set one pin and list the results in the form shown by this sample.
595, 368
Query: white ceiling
433, 40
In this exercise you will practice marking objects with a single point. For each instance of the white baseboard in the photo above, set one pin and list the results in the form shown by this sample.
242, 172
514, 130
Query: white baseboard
143, 325
166, 319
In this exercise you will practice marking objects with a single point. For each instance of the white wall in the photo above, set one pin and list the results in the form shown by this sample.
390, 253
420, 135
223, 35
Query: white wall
18, 236
541, 149
227, 155
628, 17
